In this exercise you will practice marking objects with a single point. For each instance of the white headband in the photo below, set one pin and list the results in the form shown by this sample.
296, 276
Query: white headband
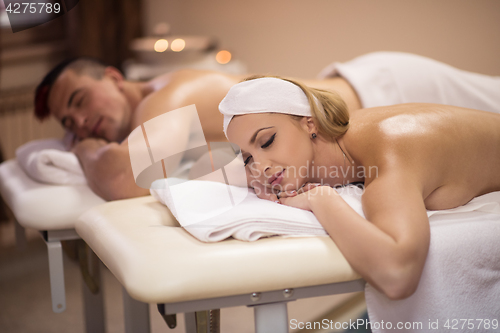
264, 95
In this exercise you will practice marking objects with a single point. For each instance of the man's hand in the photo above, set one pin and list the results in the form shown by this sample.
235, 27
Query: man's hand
88, 146
69, 140
107, 168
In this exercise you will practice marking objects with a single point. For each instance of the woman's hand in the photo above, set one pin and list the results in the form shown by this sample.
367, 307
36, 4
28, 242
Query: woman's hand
263, 192
302, 197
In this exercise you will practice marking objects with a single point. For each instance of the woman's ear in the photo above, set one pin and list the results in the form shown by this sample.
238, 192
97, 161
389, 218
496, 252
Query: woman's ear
308, 125
115, 75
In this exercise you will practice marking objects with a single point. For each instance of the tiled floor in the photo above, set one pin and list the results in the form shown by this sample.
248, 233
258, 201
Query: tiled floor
25, 305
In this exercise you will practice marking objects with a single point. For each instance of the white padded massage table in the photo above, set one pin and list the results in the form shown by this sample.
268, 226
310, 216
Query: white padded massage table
52, 210
157, 261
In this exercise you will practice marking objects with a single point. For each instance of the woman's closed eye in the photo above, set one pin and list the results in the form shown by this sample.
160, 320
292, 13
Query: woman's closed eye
269, 142
247, 160
264, 146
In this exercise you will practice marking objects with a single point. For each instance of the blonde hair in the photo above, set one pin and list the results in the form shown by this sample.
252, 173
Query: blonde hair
334, 121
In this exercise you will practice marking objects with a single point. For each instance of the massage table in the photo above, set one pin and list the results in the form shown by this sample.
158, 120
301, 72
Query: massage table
157, 261
52, 210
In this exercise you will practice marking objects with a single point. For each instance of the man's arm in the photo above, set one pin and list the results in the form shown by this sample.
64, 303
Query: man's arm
107, 165
107, 168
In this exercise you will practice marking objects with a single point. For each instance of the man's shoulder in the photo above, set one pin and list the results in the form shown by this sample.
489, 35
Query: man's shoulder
180, 88
172, 80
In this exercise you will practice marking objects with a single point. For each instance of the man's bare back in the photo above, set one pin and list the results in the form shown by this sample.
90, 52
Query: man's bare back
206, 89
103, 111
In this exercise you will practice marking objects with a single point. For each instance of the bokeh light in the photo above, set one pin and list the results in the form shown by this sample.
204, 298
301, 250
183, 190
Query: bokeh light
223, 57
178, 45
161, 45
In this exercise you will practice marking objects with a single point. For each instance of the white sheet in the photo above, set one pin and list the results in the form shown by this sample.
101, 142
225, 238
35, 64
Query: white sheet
41, 206
460, 283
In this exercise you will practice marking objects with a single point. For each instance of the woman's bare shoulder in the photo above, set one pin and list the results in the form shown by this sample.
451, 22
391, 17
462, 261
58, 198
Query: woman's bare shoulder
419, 123
398, 136
436, 145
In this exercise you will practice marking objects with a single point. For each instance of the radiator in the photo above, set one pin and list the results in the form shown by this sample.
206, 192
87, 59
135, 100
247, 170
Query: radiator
18, 124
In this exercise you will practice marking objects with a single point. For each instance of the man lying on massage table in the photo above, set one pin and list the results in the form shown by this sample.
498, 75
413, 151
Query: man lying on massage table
101, 108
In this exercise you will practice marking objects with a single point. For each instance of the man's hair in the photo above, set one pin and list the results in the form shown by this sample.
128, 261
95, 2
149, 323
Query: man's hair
81, 66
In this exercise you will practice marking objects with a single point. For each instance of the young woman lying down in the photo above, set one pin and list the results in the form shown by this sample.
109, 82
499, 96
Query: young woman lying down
300, 142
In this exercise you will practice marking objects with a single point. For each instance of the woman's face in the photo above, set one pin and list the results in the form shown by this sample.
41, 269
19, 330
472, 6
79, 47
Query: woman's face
276, 148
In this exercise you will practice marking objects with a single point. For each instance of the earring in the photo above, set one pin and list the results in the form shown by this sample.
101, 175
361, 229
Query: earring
313, 136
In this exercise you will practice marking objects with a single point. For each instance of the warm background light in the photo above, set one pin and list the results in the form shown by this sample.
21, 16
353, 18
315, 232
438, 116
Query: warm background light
452, 29
178, 45
223, 57
161, 45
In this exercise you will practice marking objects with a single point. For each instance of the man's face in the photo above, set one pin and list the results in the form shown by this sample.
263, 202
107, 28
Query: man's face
89, 107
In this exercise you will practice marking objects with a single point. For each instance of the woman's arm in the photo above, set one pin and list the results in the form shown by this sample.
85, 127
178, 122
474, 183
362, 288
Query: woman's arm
390, 246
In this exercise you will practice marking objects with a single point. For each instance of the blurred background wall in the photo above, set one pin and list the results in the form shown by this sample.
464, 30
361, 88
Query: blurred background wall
283, 37
299, 37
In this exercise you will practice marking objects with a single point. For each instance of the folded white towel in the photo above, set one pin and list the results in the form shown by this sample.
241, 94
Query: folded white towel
47, 161
205, 210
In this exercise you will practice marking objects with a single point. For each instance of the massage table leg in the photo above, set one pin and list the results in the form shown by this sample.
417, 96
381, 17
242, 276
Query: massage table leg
56, 272
53, 240
93, 303
271, 318
94, 311
92, 290
190, 322
136, 315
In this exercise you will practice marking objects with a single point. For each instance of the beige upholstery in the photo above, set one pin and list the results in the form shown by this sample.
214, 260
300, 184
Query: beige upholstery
157, 261
42, 206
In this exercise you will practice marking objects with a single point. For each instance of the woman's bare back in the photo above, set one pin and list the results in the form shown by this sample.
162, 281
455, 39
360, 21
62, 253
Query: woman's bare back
452, 152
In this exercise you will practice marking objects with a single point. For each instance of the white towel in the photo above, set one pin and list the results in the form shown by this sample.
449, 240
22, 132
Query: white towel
461, 276
47, 161
387, 78
460, 283
205, 210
